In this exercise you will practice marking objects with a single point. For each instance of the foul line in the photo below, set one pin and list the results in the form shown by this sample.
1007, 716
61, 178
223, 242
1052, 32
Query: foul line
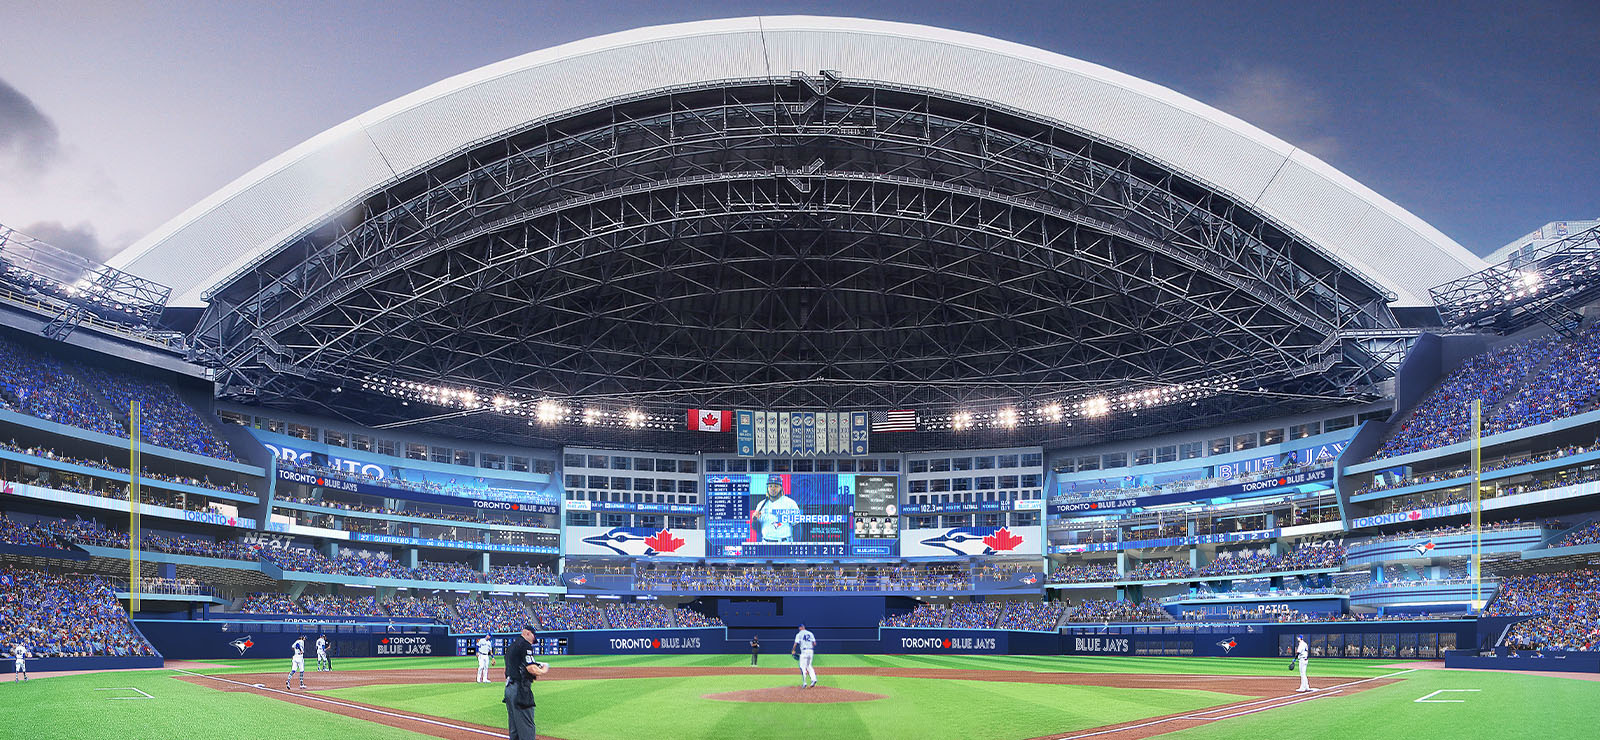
1200, 716
142, 695
1430, 700
326, 700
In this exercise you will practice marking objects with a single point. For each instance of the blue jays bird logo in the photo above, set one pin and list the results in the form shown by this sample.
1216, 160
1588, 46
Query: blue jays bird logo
1228, 645
242, 644
636, 541
975, 540
1422, 548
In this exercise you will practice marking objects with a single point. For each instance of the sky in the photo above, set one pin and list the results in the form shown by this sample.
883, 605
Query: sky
1482, 118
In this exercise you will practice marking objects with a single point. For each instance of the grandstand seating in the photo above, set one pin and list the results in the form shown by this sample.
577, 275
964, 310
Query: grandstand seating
1567, 382
1565, 607
1103, 610
65, 616
1588, 534
39, 385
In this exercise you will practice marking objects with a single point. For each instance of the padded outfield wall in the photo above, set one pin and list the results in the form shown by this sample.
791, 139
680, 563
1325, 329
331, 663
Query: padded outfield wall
216, 640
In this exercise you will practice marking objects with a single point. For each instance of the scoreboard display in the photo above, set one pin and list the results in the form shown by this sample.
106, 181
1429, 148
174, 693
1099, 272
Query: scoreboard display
801, 515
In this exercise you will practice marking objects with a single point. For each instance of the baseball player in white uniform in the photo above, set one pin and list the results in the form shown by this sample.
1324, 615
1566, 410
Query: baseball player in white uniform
1302, 653
21, 654
485, 655
322, 654
297, 663
804, 644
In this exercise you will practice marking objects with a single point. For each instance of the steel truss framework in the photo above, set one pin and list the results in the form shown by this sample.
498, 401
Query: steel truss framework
809, 243
1564, 280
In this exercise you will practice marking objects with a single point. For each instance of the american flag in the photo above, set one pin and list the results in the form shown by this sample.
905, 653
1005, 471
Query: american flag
904, 420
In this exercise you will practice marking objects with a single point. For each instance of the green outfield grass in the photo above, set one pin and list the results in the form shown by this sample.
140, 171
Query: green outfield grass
1507, 706
916, 708
1061, 664
69, 708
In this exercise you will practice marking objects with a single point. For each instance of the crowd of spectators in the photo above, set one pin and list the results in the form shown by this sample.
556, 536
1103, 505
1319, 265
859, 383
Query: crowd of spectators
1102, 610
636, 615
692, 618
65, 616
1085, 573
1304, 557
1565, 607
1039, 616
38, 385
1158, 570
472, 517
96, 485
976, 615
568, 615
476, 488
1380, 483
924, 615
483, 616
1429, 533
164, 419
855, 577
1192, 484
1445, 416
61, 534
1567, 385
1588, 534
522, 575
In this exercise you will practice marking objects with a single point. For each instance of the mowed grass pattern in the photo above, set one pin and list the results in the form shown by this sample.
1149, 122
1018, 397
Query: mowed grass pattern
916, 708
69, 708
1507, 706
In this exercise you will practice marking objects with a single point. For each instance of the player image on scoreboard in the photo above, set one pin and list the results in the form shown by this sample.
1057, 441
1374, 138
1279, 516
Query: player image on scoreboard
807, 508
798, 515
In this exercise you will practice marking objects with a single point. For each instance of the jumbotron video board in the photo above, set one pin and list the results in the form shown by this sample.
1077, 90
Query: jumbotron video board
801, 515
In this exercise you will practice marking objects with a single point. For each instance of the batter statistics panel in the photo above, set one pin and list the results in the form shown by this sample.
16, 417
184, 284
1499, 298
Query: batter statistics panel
801, 515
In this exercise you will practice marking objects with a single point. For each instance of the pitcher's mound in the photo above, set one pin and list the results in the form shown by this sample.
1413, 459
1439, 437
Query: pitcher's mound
796, 695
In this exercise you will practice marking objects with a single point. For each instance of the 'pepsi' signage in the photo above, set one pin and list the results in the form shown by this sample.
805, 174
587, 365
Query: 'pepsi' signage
1078, 508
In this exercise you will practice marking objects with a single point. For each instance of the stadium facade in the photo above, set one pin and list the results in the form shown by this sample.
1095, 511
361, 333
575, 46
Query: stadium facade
684, 334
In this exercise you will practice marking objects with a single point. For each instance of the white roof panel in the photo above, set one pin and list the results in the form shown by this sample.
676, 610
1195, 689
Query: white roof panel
303, 187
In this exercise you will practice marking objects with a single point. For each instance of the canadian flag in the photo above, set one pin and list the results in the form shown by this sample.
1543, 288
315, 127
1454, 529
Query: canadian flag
703, 420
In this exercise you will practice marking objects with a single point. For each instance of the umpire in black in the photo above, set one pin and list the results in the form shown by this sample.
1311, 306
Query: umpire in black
521, 671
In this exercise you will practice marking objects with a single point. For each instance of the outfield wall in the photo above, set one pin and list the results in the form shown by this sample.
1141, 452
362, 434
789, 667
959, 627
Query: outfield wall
201, 639
1421, 639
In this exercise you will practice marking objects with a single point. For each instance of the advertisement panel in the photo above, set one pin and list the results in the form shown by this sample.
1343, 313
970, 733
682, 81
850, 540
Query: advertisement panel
1086, 508
801, 515
970, 541
636, 542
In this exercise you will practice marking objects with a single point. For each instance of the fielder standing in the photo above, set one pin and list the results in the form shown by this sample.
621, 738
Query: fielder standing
297, 663
1302, 653
20, 652
485, 655
322, 654
804, 645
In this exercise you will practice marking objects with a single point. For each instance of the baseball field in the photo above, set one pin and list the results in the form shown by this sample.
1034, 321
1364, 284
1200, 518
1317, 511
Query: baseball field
861, 696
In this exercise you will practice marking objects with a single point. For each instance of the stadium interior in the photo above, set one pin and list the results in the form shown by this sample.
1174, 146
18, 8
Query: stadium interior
878, 350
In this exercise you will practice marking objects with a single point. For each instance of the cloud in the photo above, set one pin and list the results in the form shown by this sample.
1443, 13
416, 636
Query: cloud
80, 239
27, 136
1273, 100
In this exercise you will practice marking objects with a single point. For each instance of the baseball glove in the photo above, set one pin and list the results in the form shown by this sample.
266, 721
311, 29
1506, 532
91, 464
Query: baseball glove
796, 656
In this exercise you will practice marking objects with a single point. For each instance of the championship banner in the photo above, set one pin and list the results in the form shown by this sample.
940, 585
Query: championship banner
801, 433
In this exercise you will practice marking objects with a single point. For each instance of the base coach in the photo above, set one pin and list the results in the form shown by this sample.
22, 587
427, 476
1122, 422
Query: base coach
521, 671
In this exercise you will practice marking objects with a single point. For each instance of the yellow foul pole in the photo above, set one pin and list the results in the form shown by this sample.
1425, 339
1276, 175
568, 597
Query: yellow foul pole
1477, 504
133, 507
